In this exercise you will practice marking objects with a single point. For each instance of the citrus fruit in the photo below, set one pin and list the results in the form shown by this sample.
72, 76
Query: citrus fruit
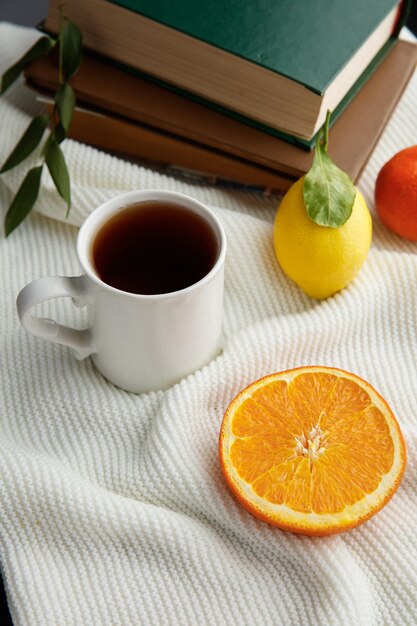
320, 259
396, 193
314, 450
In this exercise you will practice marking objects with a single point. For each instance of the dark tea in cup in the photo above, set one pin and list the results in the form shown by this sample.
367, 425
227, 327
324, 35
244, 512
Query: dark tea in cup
154, 248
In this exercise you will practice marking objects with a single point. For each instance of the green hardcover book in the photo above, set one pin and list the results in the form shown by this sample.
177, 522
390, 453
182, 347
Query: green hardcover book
278, 64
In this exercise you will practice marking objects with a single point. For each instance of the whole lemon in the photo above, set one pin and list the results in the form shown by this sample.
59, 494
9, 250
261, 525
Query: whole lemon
320, 259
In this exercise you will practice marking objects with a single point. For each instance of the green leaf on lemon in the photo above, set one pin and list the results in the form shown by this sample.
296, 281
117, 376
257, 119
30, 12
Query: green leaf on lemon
329, 193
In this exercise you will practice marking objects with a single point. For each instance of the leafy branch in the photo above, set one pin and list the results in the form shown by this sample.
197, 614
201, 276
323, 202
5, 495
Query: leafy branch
69, 41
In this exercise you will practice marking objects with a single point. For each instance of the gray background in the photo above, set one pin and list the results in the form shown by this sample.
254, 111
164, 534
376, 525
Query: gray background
26, 12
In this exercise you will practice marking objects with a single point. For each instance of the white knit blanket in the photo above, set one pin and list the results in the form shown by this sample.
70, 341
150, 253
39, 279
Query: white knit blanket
113, 509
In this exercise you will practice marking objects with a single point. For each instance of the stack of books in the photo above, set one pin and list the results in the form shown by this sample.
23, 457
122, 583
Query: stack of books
235, 90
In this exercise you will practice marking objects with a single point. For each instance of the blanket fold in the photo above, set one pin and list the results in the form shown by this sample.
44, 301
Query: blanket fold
113, 509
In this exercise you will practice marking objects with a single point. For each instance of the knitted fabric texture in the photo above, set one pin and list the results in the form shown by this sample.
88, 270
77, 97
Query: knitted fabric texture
113, 509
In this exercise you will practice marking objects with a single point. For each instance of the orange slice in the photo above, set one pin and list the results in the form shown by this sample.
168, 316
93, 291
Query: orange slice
314, 450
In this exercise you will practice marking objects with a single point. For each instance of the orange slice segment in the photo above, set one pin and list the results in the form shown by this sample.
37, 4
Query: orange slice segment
314, 450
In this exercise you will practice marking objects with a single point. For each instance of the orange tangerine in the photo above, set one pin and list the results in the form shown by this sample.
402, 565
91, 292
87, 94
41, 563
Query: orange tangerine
396, 193
314, 450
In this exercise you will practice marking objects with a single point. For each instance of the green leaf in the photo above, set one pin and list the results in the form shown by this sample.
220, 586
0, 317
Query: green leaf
71, 46
65, 103
329, 193
23, 200
58, 169
39, 49
30, 139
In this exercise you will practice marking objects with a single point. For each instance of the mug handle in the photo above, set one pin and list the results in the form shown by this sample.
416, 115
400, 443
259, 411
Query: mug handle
42, 289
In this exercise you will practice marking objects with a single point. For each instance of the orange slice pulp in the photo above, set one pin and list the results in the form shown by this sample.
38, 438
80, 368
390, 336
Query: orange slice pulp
314, 450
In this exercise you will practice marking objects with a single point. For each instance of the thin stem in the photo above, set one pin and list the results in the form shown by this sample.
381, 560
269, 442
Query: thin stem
326, 131
61, 28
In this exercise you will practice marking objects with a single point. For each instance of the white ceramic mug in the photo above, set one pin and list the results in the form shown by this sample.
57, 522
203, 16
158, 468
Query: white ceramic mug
138, 342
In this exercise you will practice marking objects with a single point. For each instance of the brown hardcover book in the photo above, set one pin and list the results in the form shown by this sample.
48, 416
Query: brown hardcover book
131, 139
170, 128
